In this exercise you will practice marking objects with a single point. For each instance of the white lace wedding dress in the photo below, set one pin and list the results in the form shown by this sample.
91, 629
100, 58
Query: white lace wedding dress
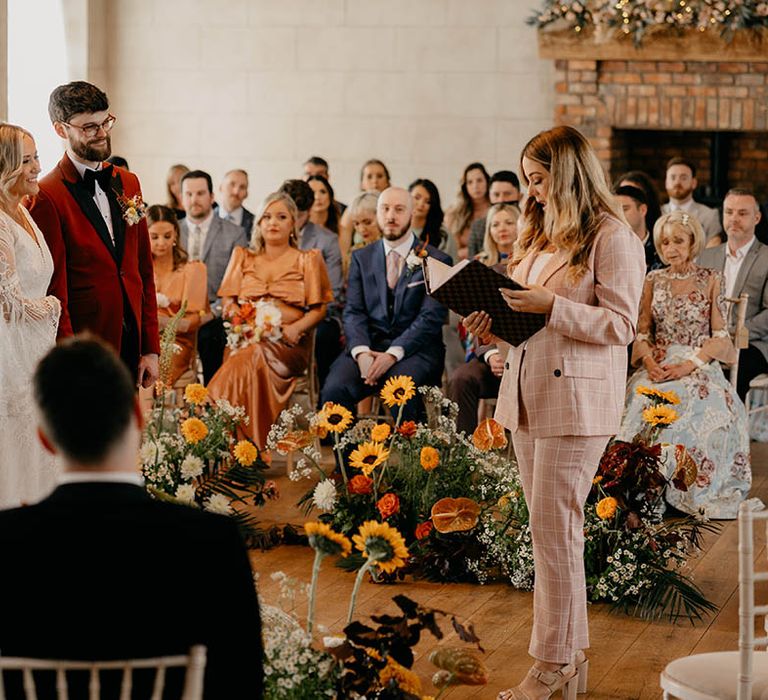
28, 322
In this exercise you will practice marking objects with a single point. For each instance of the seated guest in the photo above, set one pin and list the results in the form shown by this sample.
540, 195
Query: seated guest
471, 204
374, 177
681, 336
261, 376
680, 183
392, 326
427, 217
314, 236
362, 213
504, 189
500, 233
635, 207
173, 188
743, 260
315, 165
114, 549
178, 280
233, 191
643, 181
324, 211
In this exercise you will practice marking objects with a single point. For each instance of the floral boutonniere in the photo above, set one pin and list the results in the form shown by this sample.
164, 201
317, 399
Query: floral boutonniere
134, 208
416, 257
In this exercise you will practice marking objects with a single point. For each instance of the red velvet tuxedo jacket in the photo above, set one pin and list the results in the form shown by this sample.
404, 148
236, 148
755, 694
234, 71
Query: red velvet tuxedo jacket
93, 278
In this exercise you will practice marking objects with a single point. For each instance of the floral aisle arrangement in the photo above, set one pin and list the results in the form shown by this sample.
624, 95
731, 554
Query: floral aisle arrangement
367, 661
638, 18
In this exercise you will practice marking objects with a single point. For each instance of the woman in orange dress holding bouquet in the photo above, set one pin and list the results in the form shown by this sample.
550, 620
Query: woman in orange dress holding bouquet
177, 281
273, 296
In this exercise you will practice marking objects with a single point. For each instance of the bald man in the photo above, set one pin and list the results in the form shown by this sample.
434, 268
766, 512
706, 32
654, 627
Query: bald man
391, 325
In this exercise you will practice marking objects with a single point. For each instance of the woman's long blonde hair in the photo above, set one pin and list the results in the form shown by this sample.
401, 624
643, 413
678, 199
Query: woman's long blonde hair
490, 254
11, 160
577, 199
257, 240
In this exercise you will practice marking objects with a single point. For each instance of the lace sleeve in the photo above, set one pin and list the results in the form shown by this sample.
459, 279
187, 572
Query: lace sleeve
14, 307
719, 346
644, 339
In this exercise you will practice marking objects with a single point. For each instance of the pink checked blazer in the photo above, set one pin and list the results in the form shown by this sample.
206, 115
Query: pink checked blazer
571, 375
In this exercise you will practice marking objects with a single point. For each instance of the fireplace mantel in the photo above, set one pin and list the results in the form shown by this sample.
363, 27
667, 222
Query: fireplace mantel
662, 45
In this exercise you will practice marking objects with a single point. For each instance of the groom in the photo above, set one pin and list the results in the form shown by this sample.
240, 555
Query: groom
100, 245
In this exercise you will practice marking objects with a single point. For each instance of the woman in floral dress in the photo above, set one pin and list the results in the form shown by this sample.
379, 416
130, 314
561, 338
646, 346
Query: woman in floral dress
681, 338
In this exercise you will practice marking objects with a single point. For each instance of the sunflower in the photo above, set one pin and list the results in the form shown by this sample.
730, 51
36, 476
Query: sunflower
669, 397
325, 540
194, 430
246, 453
606, 508
660, 415
380, 432
407, 681
398, 390
335, 418
382, 543
429, 458
368, 456
195, 394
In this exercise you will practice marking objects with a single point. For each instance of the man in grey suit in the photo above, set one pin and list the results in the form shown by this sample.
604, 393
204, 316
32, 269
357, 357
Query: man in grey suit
233, 191
209, 238
744, 262
328, 332
680, 183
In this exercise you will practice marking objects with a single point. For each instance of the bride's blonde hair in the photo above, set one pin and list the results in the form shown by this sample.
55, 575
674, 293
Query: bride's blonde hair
577, 199
11, 160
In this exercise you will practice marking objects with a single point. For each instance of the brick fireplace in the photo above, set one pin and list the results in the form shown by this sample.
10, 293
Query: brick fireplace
641, 107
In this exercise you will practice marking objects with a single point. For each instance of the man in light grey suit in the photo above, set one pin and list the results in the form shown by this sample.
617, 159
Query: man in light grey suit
680, 183
328, 332
209, 238
744, 262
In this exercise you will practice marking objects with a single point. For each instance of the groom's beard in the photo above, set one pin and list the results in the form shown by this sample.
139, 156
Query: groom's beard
93, 152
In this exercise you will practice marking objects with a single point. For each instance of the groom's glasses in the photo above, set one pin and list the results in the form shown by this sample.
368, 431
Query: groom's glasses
90, 130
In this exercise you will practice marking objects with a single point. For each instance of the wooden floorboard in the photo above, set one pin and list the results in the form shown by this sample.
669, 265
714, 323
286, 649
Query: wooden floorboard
626, 656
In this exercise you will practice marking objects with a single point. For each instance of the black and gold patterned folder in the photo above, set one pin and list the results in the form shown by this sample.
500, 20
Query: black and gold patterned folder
471, 286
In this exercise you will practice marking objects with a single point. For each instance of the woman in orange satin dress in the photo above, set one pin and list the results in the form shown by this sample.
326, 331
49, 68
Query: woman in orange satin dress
177, 280
261, 376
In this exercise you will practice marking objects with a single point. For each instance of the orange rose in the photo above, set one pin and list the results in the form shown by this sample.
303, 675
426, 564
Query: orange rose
407, 429
360, 484
423, 530
388, 504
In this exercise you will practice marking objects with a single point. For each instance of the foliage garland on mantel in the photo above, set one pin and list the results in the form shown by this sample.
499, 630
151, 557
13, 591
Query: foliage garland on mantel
638, 18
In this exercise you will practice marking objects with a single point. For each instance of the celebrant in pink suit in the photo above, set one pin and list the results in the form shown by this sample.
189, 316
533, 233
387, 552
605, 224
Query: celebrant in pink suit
261, 375
562, 392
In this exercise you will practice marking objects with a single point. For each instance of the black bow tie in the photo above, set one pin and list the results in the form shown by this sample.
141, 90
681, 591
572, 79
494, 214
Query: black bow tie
103, 176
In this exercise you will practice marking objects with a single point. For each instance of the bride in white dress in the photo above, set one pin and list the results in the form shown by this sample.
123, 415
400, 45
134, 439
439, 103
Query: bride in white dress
28, 321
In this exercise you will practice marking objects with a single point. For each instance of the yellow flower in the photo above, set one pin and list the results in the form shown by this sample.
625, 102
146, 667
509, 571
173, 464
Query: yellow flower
246, 453
429, 458
326, 540
380, 432
382, 543
406, 680
335, 417
194, 430
606, 508
195, 394
660, 415
665, 396
597, 479
368, 456
503, 502
398, 390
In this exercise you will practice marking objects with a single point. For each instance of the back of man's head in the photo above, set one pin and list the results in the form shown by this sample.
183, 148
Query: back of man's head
300, 192
85, 397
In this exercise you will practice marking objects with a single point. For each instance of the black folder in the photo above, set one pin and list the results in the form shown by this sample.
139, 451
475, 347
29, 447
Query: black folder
471, 286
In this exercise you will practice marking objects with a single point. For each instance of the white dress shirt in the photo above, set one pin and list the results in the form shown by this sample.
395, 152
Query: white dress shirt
236, 216
403, 249
99, 196
204, 225
733, 263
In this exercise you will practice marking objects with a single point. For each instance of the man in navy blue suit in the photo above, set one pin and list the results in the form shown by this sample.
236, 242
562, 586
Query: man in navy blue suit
392, 326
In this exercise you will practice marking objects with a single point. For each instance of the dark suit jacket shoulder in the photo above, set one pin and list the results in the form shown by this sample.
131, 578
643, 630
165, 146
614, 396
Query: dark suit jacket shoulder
109, 573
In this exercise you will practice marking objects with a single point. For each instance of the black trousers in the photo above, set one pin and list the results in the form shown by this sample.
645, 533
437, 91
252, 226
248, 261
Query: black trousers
468, 384
211, 341
751, 363
327, 347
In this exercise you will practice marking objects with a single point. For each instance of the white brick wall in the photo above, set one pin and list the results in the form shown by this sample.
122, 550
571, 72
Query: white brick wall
425, 85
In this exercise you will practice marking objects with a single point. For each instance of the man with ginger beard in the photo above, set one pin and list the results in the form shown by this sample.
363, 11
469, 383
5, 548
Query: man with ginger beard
91, 215
392, 326
680, 183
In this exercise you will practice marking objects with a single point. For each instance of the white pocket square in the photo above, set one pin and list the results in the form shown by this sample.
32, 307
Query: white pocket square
416, 284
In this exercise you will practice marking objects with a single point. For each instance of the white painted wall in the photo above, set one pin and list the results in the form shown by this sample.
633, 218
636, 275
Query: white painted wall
427, 86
